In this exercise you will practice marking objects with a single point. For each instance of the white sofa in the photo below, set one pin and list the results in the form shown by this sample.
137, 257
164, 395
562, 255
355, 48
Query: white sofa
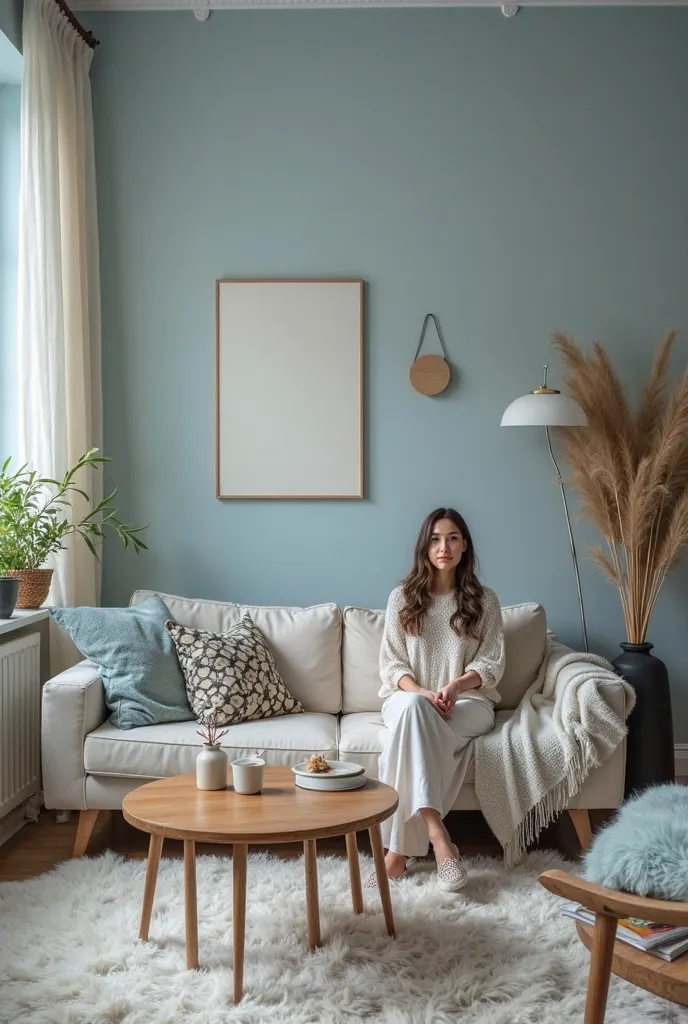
328, 658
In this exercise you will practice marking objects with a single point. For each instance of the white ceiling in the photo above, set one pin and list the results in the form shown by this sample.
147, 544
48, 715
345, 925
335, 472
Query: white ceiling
10, 62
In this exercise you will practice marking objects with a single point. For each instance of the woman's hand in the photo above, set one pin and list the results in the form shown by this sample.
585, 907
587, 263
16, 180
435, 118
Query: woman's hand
438, 702
449, 694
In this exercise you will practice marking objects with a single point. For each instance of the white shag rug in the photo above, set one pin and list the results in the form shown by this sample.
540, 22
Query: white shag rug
497, 953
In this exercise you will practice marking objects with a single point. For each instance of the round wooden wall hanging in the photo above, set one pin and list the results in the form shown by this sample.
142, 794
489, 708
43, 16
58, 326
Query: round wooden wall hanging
429, 375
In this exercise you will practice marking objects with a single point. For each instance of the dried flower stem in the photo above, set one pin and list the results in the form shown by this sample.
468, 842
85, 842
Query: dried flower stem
211, 734
631, 471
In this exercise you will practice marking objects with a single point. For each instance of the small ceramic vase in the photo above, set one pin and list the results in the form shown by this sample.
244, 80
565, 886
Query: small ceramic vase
211, 767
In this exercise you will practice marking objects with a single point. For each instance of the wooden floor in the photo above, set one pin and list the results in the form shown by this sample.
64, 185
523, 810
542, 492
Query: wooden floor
39, 846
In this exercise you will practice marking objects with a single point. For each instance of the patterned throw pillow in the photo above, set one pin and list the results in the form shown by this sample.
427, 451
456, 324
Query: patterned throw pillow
233, 674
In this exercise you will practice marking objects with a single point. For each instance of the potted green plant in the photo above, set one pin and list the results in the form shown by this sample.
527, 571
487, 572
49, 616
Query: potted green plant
35, 522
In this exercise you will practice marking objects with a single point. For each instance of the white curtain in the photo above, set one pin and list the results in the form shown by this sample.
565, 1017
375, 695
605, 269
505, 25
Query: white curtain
60, 407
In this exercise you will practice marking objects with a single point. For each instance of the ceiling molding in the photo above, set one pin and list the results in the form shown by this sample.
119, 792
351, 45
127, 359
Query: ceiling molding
202, 8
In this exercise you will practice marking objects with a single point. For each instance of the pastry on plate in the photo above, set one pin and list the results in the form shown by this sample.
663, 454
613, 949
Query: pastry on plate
317, 763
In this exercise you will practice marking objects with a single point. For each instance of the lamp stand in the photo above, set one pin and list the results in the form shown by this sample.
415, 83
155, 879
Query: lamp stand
571, 542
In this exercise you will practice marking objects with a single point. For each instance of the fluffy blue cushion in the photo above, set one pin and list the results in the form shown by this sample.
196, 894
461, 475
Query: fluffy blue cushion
138, 664
645, 849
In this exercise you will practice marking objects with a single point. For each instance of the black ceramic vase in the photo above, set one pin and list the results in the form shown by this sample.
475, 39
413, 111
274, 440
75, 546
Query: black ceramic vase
650, 744
9, 590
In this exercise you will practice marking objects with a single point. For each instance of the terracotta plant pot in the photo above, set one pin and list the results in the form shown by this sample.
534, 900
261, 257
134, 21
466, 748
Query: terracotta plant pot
34, 586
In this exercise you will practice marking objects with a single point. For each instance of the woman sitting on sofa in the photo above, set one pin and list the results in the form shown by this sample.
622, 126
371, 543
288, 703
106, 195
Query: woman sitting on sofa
441, 659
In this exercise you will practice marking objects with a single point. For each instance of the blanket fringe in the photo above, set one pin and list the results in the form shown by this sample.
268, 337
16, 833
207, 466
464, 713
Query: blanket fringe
565, 683
544, 812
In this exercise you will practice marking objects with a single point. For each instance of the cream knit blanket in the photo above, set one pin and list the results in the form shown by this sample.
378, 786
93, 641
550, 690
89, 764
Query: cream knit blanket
526, 772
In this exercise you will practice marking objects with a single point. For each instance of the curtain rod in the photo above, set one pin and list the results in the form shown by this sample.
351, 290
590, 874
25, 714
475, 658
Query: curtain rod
87, 37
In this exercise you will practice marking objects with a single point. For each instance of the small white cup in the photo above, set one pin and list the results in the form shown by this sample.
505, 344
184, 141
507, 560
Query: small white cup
247, 774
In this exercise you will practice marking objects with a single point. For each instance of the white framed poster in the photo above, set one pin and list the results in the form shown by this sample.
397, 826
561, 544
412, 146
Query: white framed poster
289, 388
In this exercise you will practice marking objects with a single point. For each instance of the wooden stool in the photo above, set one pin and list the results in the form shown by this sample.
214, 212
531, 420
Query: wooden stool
669, 980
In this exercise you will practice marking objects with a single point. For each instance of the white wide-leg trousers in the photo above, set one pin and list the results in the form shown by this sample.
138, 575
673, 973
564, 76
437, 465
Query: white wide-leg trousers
425, 759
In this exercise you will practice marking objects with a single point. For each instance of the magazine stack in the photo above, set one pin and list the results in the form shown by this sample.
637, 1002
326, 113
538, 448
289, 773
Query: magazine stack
662, 940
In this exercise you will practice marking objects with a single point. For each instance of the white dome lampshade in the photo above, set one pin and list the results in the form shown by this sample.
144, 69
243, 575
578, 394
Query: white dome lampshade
544, 407
544, 410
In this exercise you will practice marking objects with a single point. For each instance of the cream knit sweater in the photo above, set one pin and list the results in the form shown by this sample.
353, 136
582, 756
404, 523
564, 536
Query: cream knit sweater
439, 655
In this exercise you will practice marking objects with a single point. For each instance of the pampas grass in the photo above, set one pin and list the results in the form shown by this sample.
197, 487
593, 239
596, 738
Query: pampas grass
630, 468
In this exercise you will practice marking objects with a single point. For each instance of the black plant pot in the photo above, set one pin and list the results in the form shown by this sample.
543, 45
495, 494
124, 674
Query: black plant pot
650, 744
9, 589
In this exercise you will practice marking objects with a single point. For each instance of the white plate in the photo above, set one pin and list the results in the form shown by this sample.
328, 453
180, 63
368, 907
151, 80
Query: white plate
339, 770
325, 784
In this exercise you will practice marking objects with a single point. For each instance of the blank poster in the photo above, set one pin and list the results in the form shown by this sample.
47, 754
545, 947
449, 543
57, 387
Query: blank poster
289, 389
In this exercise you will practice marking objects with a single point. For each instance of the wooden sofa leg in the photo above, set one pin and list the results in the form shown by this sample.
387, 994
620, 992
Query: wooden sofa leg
581, 823
84, 831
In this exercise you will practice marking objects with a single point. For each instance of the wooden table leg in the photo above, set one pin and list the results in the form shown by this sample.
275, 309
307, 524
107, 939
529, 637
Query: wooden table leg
600, 968
190, 910
239, 865
382, 879
312, 907
354, 872
154, 852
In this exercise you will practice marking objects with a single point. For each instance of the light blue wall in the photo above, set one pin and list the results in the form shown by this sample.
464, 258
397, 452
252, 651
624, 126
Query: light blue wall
11, 62
11, 14
9, 215
513, 176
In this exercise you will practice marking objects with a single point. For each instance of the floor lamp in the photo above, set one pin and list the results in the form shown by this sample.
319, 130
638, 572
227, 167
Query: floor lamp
546, 407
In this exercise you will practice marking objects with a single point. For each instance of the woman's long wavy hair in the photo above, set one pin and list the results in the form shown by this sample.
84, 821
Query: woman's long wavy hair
469, 590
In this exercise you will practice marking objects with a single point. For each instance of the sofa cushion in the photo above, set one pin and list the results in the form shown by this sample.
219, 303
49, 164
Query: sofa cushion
362, 735
231, 677
525, 638
525, 642
155, 752
361, 641
305, 642
141, 677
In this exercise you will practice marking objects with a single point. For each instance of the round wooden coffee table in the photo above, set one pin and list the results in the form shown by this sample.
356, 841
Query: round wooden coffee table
175, 808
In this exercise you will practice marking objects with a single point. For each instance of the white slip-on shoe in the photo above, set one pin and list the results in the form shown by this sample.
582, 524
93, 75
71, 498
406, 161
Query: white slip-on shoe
451, 874
371, 880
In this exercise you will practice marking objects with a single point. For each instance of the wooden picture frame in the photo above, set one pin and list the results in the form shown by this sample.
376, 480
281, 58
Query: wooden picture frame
289, 388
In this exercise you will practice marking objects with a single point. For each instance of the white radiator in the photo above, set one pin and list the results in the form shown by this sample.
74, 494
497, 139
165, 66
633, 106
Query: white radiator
20, 721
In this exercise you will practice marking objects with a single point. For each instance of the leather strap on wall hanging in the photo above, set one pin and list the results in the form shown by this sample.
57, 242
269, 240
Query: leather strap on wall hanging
430, 375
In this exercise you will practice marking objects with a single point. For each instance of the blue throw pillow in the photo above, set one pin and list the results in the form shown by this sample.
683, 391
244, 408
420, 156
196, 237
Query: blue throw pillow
138, 663
645, 849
